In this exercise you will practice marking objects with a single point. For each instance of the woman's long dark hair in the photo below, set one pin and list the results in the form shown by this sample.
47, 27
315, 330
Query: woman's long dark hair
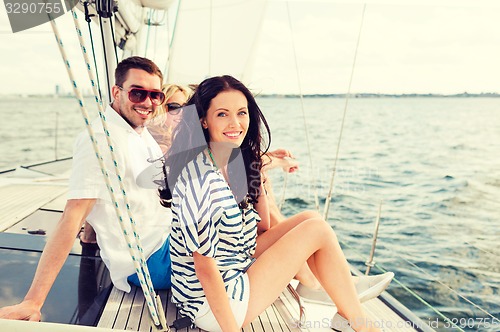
187, 143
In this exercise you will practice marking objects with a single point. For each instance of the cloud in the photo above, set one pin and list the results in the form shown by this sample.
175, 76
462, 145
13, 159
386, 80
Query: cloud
447, 47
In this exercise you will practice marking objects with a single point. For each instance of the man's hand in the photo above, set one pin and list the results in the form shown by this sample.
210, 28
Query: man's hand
281, 158
25, 310
53, 257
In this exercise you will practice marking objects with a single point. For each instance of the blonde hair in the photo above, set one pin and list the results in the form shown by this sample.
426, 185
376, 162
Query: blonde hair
156, 126
170, 89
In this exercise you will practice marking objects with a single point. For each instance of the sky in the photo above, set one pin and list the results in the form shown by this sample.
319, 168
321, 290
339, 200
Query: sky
437, 46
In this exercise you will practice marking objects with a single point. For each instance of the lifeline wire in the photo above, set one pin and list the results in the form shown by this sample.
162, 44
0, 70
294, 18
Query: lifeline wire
435, 280
88, 20
449, 288
415, 295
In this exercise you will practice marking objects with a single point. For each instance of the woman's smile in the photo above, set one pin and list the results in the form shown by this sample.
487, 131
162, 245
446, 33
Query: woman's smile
227, 118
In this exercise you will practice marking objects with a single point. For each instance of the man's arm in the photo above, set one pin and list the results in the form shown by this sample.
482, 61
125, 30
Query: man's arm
279, 158
53, 257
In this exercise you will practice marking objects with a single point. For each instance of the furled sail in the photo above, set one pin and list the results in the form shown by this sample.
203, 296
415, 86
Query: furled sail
131, 17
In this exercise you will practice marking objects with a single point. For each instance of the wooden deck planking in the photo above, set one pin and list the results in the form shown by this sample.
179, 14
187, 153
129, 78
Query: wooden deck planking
127, 311
111, 309
20, 200
136, 311
289, 310
145, 322
269, 320
279, 317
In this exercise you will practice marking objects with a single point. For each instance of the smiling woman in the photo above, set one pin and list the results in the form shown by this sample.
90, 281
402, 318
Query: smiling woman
162, 125
227, 119
223, 274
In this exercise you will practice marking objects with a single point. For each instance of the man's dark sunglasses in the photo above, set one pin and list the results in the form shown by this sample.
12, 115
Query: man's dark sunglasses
139, 95
174, 108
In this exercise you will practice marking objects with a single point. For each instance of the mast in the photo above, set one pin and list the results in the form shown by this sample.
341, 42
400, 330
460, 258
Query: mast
105, 10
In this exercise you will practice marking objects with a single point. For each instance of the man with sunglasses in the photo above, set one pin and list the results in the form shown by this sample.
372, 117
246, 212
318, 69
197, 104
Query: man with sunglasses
136, 96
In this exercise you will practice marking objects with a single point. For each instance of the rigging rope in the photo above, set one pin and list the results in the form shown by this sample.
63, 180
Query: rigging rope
170, 42
140, 261
156, 33
104, 51
175, 23
88, 20
329, 196
147, 33
114, 40
313, 178
478, 248
83, 109
167, 60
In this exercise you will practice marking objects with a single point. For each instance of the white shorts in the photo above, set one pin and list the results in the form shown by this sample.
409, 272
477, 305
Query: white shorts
205, 319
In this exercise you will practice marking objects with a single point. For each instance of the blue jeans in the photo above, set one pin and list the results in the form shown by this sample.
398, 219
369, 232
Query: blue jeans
159, 266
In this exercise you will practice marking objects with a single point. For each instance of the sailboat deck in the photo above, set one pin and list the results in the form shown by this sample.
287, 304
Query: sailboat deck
127, 311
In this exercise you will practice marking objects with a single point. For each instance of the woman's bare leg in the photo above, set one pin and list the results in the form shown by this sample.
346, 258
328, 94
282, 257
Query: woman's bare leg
282, 250
304, 274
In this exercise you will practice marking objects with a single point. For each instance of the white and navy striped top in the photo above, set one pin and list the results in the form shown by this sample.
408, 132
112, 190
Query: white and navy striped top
207, 219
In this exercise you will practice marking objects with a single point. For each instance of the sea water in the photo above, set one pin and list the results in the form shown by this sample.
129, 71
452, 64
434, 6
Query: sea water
431, 164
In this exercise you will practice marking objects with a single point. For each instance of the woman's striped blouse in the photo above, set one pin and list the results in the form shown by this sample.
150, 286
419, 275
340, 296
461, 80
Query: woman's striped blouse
207, 219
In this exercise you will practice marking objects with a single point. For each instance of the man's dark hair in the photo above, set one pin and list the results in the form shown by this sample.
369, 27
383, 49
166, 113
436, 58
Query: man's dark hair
135, 62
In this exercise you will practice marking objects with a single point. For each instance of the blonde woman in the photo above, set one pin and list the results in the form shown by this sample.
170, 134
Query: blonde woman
162, 125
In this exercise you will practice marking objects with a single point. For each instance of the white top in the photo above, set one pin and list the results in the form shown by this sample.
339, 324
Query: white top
207, 220
132, 151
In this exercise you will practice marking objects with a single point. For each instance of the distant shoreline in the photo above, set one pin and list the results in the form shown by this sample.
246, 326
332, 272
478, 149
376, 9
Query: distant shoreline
384, 95
332, 95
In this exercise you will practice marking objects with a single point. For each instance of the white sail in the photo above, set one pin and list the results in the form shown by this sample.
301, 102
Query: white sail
214, 37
